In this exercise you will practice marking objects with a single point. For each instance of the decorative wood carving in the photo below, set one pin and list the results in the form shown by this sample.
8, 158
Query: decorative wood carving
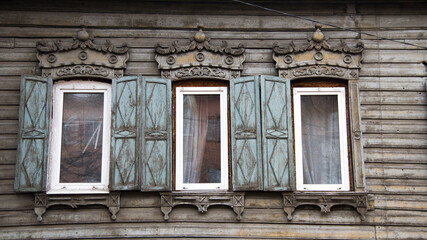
362, 202
200, 59
43, 201
202, 201
81, 57
318, 58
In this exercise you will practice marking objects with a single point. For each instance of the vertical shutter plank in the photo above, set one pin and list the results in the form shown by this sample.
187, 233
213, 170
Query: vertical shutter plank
277, 133
124, 136
246, 134
157, 135
34, 116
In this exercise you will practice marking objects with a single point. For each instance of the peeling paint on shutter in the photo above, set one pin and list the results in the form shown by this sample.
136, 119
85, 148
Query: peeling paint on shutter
277, 143
157, 135
246, 134
34, 117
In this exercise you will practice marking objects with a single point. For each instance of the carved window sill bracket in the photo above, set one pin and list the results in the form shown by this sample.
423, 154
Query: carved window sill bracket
202, 201
362, 202
43, 201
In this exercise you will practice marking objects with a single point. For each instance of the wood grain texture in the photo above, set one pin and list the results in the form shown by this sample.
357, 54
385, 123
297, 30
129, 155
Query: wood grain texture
392, 96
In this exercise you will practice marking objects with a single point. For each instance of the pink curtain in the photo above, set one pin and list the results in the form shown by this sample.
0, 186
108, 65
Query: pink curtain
196, 113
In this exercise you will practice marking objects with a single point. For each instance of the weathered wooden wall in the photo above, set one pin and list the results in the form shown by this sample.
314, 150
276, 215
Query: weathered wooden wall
393, 106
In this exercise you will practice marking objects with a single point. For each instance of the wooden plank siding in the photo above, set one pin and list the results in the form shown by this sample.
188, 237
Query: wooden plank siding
393, 108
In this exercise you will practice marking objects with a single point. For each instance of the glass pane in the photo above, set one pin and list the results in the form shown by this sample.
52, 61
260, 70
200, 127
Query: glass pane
202, 150
320, 139
81, 146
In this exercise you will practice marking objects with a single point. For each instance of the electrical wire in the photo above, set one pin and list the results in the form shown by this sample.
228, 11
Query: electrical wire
328, 24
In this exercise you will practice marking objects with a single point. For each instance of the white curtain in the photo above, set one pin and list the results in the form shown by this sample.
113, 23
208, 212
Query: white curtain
320, 139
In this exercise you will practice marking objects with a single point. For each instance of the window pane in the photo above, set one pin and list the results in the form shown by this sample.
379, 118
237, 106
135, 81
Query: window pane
320, 139
201, 129
81, 145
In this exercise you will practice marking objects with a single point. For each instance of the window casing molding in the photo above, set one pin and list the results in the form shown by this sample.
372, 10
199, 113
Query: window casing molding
342, 122
319, 59
222, 92
200, 59
54, 186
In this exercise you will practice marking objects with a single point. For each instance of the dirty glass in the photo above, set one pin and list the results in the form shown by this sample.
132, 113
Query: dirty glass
81, 144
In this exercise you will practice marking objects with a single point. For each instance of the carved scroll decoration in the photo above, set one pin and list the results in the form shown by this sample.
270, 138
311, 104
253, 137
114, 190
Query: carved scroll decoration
362, 202
200, 59
81, 57
318, 58
43, 201
203, 201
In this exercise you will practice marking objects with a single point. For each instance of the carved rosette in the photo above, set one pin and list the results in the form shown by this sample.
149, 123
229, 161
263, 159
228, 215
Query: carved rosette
81, 57
318, 59
200, 59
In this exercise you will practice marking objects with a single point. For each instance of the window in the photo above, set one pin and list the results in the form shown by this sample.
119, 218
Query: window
321, 152
201, 138
79, 138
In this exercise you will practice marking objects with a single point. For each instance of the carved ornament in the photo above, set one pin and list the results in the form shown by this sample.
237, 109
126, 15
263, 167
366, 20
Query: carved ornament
81, 57
318, 58
203, 201
43, 201
200, 59
362, 202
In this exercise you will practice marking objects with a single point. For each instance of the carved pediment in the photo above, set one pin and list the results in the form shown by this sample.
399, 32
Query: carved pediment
200, 59
81, 57
318, 58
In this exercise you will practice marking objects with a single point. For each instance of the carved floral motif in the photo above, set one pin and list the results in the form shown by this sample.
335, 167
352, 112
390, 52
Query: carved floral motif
318, 70
200, 42
203, 201
318, 41
201, 71
82, 70
82, 41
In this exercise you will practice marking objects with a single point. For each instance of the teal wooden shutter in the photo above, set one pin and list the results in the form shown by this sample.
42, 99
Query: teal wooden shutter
125, 154
277, 133
34, 116
157, 135
246, 134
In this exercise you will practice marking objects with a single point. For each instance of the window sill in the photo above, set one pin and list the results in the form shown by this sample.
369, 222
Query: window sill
203, 200
361, 201
43, 201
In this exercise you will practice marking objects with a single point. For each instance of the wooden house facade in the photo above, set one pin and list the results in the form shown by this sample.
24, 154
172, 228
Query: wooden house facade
134, 68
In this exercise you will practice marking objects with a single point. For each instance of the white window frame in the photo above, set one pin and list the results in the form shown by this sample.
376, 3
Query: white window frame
53, 184
342, 119
180, 92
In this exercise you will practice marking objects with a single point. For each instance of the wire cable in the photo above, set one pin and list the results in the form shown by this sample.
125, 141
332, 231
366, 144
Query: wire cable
328, 24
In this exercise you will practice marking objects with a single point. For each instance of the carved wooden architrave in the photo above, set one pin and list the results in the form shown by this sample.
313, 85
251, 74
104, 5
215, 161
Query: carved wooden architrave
43, 201
362, 202
81, 57
200, 59
235, 200
318, 59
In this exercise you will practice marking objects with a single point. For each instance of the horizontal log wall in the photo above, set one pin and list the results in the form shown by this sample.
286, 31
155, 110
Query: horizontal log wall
393, 107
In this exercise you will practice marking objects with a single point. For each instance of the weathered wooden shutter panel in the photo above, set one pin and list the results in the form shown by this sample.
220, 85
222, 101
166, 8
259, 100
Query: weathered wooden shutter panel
157, 135
125, 153
246, 134
276, 133
34, 116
